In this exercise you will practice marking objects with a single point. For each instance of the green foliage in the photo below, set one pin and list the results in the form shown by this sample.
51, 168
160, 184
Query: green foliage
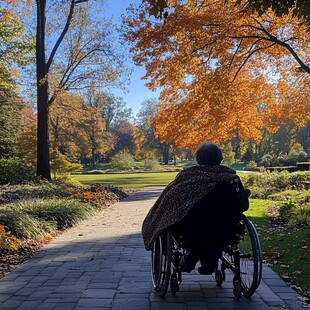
228, 155
286, 208
60, 166
15, 46
264, 184
300, 196
10, 114
300, 216
269, 161
151, 164
39, 217
252, 164
296, 154
65, 213
122, 161
13, 193
22, 225
24, 214
300, 8
15, 171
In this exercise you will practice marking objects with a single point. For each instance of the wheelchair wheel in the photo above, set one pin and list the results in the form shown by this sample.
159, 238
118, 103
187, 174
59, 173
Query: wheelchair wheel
161, 263
250, 258
219, 277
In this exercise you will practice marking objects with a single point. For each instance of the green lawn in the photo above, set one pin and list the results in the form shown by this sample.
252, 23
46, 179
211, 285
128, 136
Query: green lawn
286, 252
128, 180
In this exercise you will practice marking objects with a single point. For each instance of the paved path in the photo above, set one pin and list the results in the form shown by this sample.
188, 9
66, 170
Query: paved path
101, 264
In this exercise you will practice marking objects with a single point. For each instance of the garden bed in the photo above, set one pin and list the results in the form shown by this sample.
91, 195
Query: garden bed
32, 215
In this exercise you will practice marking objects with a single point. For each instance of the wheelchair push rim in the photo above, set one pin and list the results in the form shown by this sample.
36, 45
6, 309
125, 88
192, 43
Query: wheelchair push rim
161, 263
250, 258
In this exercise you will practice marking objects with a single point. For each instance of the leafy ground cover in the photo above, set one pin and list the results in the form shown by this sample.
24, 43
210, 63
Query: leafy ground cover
31, 215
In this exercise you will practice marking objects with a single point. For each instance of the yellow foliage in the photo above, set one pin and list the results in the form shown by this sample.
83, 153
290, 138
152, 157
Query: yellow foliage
222, 72
61, 166
7, 241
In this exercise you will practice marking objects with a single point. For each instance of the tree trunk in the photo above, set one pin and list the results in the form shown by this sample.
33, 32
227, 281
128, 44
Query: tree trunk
43, 156
93, 159
165, 153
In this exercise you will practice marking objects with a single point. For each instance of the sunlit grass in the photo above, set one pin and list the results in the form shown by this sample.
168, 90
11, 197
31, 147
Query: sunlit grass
286, 252
128, 180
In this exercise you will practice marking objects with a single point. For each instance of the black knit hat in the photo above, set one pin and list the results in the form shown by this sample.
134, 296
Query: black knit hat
208, 153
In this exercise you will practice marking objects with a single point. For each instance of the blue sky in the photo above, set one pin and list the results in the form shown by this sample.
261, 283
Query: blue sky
137, 91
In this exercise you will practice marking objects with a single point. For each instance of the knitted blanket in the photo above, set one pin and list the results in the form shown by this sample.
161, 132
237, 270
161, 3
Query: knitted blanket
189, 186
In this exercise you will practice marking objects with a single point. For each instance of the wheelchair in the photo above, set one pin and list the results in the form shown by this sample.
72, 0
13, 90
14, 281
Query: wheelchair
233, 235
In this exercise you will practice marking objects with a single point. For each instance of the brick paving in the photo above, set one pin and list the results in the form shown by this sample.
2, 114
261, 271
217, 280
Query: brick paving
102, 264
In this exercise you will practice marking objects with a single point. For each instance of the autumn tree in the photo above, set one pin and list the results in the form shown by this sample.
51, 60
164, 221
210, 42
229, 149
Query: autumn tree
148, 142
224, 72
114, 110
74, 46
98, 140
299, 8
10, 114
64, 137
82, 133
27, 141
15, 46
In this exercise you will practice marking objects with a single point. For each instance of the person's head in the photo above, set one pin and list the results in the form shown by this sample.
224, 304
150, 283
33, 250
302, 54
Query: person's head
208, 153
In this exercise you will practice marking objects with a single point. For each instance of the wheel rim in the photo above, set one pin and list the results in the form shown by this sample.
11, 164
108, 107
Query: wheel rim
250, 259
161, 263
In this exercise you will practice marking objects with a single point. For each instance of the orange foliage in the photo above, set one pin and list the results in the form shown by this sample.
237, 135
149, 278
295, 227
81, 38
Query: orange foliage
222, 72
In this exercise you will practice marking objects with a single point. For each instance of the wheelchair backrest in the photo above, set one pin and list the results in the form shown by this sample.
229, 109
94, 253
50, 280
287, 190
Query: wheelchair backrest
213, 220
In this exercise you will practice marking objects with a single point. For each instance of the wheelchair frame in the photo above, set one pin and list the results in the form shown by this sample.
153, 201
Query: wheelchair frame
243, 258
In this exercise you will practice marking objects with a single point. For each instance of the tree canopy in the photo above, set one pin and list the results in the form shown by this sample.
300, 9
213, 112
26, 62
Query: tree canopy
299, 8
223, 72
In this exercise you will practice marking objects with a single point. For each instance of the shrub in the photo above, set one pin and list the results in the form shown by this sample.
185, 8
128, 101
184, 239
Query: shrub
252, 165
64, 213
32, 218
300, 197
228, 155
276, 181
61, 167
300, 216
22, 225
296, 154
266, 160
122, 161
15, 171
286, 209
151, 164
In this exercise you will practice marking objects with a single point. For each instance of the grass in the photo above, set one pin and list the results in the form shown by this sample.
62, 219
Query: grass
286, 252
128, 180
31, 218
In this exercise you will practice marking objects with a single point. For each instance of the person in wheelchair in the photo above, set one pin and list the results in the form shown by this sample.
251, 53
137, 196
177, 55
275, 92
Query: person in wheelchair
201, 206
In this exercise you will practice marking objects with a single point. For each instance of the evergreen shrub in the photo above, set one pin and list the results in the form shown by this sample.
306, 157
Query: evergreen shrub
15, 171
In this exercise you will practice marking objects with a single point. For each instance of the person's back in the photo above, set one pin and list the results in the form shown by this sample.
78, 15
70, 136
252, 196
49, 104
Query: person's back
206, 186
213, 219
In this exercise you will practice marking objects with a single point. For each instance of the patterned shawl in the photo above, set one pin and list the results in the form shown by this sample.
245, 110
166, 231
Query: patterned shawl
189, 186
